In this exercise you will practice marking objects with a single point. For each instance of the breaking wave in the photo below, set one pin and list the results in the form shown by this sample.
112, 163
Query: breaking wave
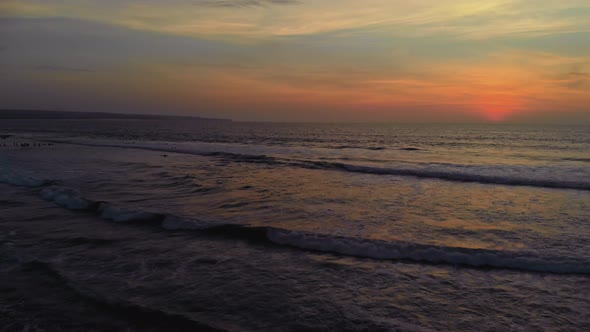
456, 173
67, 198
341, 245
377, 249
451, 175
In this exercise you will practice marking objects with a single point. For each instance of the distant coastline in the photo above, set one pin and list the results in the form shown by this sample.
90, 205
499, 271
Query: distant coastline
67, 115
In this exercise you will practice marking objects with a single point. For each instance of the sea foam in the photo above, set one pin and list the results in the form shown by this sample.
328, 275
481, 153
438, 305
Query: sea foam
349, 246
67, 198
386, 250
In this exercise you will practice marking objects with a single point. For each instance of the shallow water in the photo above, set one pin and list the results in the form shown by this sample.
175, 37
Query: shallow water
346, 227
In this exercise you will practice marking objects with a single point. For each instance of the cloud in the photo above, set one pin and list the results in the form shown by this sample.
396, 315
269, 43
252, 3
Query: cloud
55, 43
577, 80
578, 74
464, 19
252, 58
245, 3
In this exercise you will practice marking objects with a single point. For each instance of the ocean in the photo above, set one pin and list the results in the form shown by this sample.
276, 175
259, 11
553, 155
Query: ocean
212, 225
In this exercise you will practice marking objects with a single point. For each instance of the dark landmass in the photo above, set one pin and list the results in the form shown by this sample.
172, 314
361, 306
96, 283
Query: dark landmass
37, 114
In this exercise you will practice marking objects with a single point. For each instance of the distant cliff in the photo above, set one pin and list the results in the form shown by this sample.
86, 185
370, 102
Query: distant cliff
36, 114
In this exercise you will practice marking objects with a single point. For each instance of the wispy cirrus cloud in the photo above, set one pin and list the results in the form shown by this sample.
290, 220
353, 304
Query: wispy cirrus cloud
274, 18
244, 3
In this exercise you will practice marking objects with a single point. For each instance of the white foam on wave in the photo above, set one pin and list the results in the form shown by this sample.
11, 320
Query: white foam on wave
67, 198
123, 215
454, 174
350, 246
424, 253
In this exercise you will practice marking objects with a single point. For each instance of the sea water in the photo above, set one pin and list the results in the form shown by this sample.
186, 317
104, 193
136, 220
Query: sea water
313, 226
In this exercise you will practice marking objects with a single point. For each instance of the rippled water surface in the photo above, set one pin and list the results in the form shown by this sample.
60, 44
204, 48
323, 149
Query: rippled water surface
342, 227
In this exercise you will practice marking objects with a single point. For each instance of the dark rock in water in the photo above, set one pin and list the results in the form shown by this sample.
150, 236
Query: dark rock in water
5, 136
410, 149
164, 155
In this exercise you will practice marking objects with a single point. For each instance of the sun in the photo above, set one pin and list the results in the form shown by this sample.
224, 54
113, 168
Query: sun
496, 114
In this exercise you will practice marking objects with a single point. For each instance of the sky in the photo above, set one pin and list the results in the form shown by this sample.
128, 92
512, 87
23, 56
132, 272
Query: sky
301, 60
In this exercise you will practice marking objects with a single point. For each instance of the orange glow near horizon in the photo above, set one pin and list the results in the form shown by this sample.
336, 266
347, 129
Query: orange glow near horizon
446, 60
497, 107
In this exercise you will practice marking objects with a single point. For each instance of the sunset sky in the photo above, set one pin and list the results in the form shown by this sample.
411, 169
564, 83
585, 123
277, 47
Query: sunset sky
301, 60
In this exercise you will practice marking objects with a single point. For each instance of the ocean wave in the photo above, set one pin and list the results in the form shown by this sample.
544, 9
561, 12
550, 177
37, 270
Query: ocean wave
126, 215
457, 176
450, 172
67, 198
72, 200
244, 157
383, 250
341, 147
341, 245
584, 160
372, 148
171, 222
